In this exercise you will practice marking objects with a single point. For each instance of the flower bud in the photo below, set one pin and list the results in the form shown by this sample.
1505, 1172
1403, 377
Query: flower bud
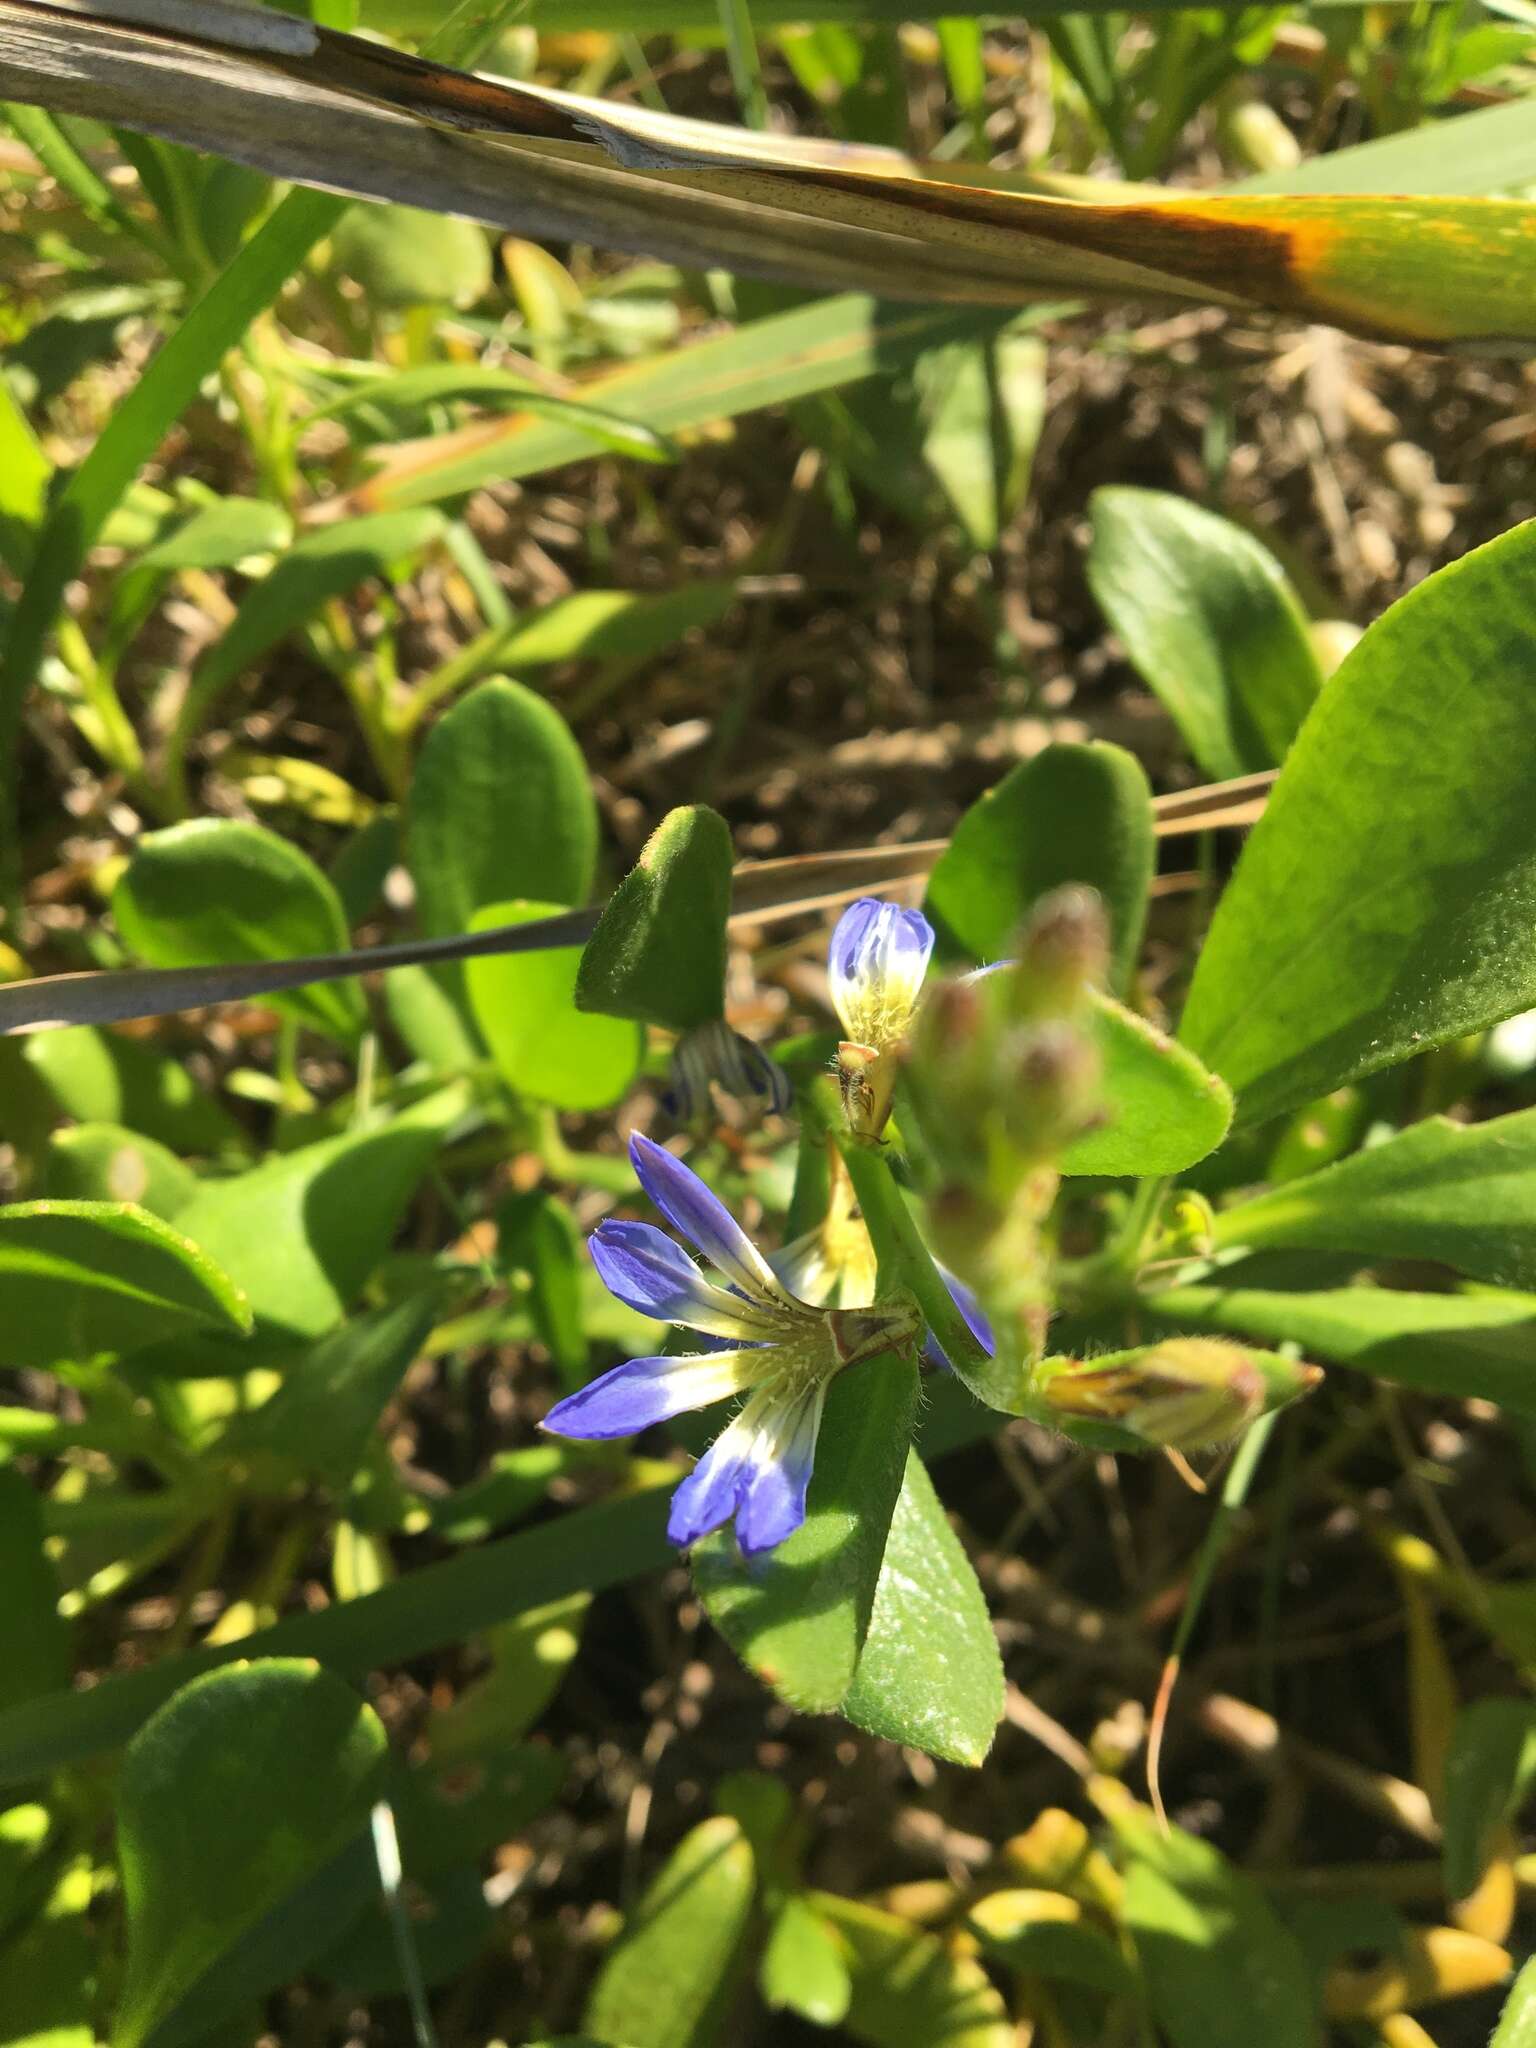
1063, 952
1050, 1085
1187, 1393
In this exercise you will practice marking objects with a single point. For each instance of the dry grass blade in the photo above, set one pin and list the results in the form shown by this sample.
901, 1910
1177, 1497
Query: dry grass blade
764, 892
355, 116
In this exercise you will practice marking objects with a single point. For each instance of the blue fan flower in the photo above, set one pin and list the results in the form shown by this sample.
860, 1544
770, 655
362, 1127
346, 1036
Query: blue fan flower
879, 956
779, 1351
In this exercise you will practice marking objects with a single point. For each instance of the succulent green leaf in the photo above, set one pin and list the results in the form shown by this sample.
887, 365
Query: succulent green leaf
666, 1980
37, 1658
105, 1163
501, 806
658, 953
103, 1078
1490, 1768
803, 1968
320, 1420
302, 1231
1464, 1194
236, 1791
1075, 813
1163, 1109
1386, 900
82, 1278
217, 890
403, 256
543, 1045
908, 1990
929, 1674
1517, 2022
1468, 1346
537, 1234
1211, 623
1211, 1946
799, 1615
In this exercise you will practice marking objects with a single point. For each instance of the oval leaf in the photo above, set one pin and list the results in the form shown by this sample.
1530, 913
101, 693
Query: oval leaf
501, 806
799, 1615
669, 1974
1469, 1346
1439, 1190
83, 1278
908, 1988
929, 1674
215, 890
1072, 814
1489, 1768
1163, 1109
1387, 898
1209, 621
233, 1794
525, 1005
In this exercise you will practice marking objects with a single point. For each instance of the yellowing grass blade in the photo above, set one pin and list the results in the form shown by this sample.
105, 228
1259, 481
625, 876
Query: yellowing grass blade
355, 116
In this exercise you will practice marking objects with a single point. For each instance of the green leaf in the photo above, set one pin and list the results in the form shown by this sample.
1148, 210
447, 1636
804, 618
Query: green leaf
38, 1652
24, 474
82, 1278
929, 1674
215, 890
831, 342
220, 535
658, 953
1517, 2022
1464, 1194
434, 383
1210, 622
1163, 1110
239, 1789
803, 1968
665, 1982
320, 1420
1013, 1927
430, 1022
799, 1615
1210, 1946
438, 1604
135, 429
1072, 814
301, 1232
544, 1046
1469, 1346
403, 256
500, 806
105, 1163
98, 1077
48, 1972
908, 1988
529, 1659
1490, 1768
325, 564
1386, 900
537, 1233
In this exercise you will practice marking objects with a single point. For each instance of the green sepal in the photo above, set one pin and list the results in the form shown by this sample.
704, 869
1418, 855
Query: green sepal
658, 953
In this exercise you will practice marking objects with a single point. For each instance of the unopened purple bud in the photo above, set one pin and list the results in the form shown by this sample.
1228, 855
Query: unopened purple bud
1063, 952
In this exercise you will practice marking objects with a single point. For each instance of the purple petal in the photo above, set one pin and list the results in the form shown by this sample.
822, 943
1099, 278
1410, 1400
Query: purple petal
688, 1205
648, 1272
975, 1319
710, 1493
773, 1505
647, 1390
878, 958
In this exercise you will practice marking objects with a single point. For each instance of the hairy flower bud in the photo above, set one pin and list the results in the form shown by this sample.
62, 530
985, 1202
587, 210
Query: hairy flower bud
1186, 1393
1063, 952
